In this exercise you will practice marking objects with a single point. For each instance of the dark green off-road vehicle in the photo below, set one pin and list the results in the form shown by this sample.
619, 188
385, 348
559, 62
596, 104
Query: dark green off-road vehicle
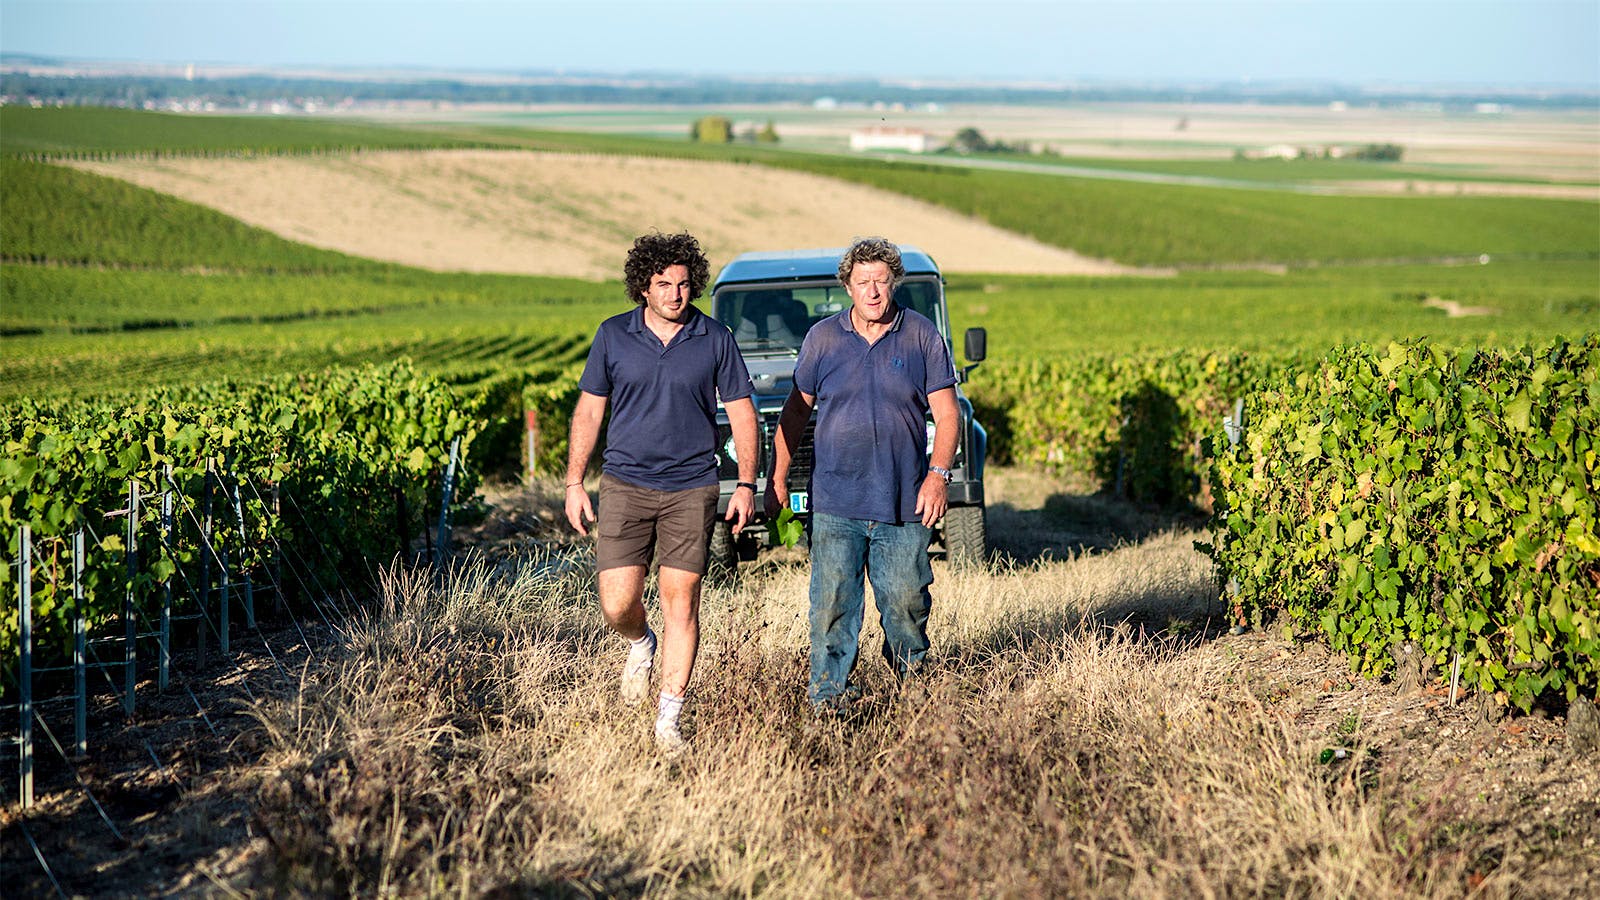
769, 301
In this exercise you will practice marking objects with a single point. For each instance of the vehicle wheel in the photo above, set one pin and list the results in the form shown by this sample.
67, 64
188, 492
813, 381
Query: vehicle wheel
722, 563
966, 538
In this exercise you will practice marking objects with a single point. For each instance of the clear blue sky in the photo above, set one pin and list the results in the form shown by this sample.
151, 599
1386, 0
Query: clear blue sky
1510, 43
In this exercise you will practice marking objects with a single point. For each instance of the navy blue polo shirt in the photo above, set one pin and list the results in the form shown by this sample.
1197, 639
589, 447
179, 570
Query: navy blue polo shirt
872, 407
663, 431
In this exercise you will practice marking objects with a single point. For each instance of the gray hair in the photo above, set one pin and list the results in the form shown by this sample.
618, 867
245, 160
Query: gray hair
871, 250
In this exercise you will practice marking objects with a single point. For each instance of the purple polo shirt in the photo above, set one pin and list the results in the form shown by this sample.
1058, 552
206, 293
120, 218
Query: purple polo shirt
872, 407
663, 431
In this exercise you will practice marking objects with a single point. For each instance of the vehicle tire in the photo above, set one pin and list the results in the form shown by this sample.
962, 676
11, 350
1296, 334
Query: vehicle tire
722, 563
966, 537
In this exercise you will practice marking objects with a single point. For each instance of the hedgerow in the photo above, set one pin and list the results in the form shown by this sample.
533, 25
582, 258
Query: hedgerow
1134, 421
1409, 496
353, 454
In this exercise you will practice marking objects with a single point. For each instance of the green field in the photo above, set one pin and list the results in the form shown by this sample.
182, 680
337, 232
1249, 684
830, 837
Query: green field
1136, 223
84, 129
1302, 309
61, 216
1287, 173
107, 286
1166, 225
1174, 225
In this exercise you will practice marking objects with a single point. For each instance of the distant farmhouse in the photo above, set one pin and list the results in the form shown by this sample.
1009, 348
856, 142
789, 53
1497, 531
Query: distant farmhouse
878, 137
1368, 152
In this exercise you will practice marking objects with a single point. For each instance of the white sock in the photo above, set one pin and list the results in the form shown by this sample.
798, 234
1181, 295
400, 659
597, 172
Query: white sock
643, 641
668, 709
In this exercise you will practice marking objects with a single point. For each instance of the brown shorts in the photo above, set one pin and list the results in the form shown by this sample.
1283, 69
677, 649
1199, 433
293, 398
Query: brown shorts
635, 522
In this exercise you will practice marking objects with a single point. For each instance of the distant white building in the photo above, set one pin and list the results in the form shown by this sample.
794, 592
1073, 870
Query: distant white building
910, 140
1277, 151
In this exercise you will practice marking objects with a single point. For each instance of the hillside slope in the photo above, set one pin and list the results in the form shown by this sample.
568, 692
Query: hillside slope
570, 214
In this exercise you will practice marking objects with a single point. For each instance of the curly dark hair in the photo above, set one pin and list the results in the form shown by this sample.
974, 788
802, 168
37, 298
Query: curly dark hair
655, 252
871, 249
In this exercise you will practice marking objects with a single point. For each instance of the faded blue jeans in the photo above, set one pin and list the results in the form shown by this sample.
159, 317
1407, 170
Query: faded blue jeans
895, 558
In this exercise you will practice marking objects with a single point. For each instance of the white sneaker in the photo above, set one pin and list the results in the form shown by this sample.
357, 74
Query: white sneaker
670, 741
636, 671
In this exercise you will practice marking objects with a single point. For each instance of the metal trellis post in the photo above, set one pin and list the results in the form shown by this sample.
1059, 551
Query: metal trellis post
205, 561
444, 503
168, 524
244, 543
25, 665
130, 646
279, 600
80, 639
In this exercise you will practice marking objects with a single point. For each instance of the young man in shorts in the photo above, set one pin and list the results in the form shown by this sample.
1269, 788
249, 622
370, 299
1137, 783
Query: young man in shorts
662, 367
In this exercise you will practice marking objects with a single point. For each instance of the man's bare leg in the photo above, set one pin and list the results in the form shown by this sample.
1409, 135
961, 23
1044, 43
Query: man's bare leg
622, 600
680, 615
622, 605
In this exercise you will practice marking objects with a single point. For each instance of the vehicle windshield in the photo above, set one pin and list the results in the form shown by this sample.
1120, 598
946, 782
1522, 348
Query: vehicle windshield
764, 317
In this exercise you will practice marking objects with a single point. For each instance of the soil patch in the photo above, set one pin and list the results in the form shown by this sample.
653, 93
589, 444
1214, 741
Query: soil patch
571, 214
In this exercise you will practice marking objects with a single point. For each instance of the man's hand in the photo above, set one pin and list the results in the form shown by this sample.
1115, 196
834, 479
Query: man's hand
932, 499
579, 509
741, 508
777, 498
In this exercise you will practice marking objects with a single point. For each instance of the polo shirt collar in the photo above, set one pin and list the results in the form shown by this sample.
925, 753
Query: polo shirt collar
695, 325
849, 325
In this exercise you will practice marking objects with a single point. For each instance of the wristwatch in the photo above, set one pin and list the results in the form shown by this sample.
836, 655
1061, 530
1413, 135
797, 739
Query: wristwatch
749, 484
942, 472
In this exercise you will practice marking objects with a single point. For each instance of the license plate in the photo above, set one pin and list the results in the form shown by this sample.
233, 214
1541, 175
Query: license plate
799, 502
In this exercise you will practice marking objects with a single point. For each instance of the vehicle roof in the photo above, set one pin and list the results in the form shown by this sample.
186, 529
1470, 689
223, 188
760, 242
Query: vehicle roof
806, 265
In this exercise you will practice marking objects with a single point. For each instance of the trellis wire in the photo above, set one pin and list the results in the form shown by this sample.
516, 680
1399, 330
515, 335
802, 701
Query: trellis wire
133, 614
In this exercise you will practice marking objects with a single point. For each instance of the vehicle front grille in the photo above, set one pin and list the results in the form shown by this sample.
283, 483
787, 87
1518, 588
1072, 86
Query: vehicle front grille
800, 465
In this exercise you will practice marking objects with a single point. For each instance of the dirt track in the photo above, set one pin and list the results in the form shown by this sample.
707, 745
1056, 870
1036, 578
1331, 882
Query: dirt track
568, 214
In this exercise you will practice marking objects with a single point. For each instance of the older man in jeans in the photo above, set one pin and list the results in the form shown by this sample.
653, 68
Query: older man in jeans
873, 373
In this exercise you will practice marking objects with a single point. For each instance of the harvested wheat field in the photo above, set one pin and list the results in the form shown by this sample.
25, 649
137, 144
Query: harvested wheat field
570, 214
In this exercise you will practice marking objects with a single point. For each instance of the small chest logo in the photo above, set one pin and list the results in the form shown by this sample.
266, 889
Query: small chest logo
897, 363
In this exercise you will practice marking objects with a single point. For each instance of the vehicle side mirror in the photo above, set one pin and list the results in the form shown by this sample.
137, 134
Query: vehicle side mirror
977, 344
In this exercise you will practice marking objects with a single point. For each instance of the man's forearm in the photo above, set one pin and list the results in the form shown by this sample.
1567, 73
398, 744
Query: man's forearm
791, 424
582, 436
946, 428
742, 419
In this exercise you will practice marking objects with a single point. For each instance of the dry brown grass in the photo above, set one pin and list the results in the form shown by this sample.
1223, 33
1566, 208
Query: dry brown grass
470, 742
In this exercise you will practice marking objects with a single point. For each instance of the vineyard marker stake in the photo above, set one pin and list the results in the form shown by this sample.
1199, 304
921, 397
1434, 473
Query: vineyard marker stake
532, 416
1455, 677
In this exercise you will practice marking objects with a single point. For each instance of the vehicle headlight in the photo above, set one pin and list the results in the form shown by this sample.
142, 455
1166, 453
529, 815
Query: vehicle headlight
732, 454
